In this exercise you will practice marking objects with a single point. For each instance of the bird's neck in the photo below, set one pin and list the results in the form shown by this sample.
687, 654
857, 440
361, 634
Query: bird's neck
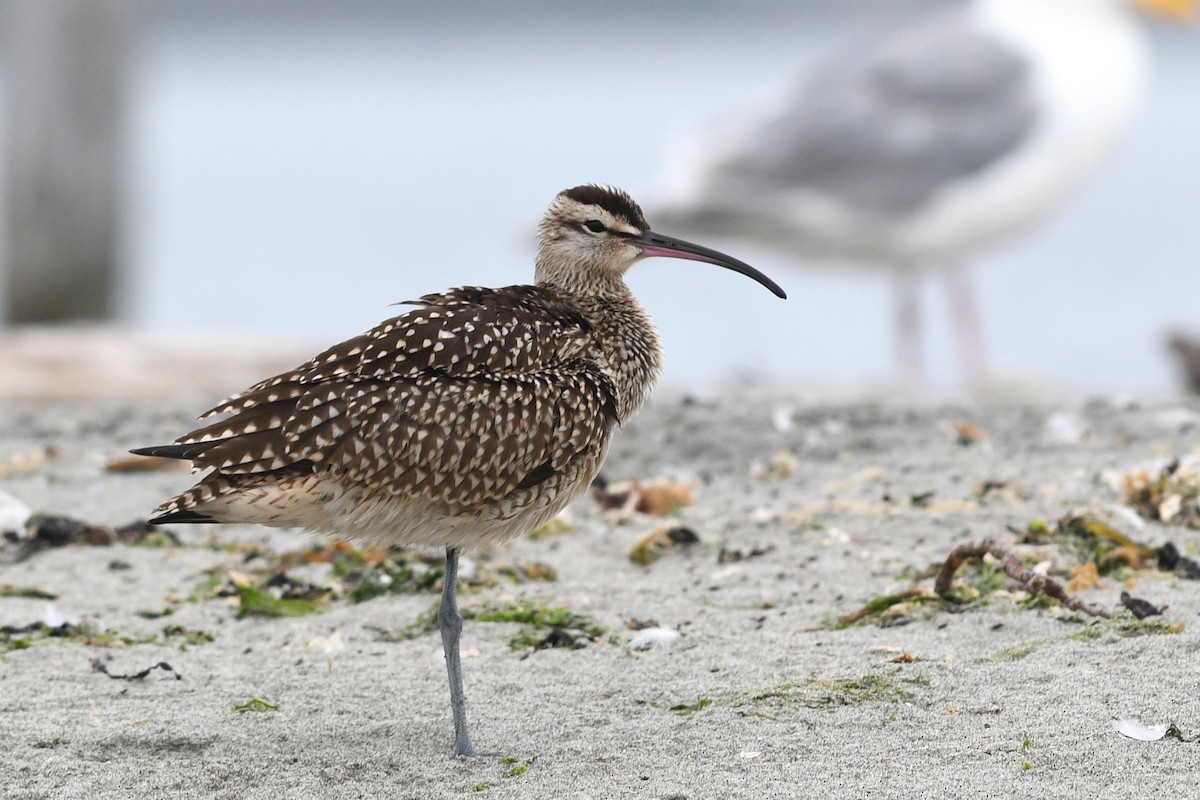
624, 343
579, 280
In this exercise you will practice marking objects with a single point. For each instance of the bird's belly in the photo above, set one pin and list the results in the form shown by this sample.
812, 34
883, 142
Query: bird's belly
324, 503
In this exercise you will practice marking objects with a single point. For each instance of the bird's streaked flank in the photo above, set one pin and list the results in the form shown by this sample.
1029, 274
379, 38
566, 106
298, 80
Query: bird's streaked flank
476, 416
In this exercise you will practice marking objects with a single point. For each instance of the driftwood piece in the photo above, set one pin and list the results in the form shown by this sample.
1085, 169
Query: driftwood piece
1028, 580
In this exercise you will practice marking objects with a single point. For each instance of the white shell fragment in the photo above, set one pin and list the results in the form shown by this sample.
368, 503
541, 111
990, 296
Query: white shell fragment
654, 638
1064, 427
13, 514
51, 617
1143, 733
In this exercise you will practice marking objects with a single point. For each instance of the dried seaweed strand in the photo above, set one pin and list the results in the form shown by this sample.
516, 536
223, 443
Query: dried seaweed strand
99, 666
1029, 581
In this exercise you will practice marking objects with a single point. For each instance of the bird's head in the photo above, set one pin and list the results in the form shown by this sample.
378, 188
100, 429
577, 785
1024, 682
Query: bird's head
592, 234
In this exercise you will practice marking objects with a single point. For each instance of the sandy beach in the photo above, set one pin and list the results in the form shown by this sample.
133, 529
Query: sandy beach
803, 511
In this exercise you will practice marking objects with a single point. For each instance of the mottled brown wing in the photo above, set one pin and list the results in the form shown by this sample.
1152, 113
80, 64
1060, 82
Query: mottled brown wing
464, 399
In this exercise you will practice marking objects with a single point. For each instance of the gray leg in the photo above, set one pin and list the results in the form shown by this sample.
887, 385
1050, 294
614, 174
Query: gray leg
906, 321
968, 329
450, 623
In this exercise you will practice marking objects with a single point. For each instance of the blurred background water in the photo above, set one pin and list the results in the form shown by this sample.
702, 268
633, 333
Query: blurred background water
297, 166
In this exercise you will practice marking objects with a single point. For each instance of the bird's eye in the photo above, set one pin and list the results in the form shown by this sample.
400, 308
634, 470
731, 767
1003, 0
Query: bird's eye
595, 226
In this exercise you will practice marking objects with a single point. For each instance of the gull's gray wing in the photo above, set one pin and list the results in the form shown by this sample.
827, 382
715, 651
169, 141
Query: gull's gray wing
882, 127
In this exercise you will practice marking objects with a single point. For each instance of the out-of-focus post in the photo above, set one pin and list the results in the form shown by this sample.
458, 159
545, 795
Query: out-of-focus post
65, 69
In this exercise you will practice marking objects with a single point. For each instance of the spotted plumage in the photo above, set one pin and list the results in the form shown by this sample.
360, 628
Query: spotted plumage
467, 403
475, 416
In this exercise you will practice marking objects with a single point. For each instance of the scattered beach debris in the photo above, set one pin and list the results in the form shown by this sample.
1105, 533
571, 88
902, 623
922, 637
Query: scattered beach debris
556, 527
545, 627
366, 574
32, 592
327, 644
652, 545
1083, 576
782, 418
52, 530
984, 488
825, 692
132, 463
523, 573
922, 499
1170, 560
1125, 626
1028, 580
14, 515
890, 609
281, 596
1143, 733
1141, 608
26, 463
48, 531
782, 465
729, 555
1099, 543
570, 638
189, 636
1168, 494
657, 498
21, 637
1064, 427
102, 668
564, 628
687, 709
656, 638
255, 704
635, 624
966, 433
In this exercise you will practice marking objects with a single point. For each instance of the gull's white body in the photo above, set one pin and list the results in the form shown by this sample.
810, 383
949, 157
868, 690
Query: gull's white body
1087, 71
1090, 78
920, 150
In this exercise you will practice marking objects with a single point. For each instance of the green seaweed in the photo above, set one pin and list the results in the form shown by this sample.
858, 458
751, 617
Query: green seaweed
255, 704
814, 692
84, 633
15, 643
826, 692
687, 709
32, 592
399, 573
516, 769
537, 619
187, 636
50, 744
254, 602
1125, 625
148, 614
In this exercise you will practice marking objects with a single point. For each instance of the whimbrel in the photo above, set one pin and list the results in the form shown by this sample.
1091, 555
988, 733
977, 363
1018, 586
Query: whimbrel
474, 417
919, 149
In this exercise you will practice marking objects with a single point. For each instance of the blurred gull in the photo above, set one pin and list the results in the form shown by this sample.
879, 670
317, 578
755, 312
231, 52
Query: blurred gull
919, 149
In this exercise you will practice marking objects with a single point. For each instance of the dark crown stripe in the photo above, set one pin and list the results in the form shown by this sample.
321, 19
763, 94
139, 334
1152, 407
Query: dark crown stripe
614, 201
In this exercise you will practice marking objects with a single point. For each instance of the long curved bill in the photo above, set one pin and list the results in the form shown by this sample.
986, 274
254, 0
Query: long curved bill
655, 244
